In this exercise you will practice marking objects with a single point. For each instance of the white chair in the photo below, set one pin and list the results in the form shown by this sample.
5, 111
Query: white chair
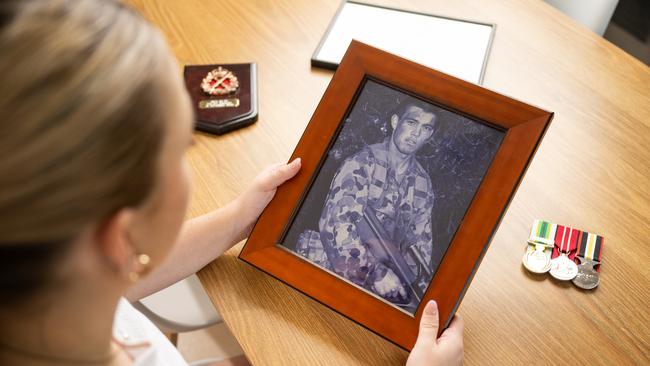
594, 14
181, 307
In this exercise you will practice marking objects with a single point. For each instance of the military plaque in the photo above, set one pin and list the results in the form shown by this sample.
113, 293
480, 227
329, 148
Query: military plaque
224, 96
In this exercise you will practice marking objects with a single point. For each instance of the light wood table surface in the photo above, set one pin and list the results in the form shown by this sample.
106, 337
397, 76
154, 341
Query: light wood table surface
592, 171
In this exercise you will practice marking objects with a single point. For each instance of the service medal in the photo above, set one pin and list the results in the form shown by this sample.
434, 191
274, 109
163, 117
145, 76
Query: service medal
537, 259
589, 253
587, 277
562, 267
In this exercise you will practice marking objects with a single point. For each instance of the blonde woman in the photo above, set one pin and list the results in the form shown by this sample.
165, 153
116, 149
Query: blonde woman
94, 123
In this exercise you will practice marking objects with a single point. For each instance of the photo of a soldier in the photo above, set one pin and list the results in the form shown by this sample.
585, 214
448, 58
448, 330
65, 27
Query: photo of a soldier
375, 226
390, 193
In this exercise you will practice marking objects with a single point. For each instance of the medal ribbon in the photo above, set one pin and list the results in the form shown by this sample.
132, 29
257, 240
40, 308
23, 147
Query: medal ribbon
566, 241
590, 247
543, 232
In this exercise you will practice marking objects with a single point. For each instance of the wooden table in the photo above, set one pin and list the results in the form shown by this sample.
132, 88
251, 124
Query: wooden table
592, 171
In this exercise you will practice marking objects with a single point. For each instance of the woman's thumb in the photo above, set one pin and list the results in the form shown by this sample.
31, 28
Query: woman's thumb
429, 323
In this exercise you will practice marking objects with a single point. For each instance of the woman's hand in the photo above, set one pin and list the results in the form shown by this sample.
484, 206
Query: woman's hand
253, 201
446, 350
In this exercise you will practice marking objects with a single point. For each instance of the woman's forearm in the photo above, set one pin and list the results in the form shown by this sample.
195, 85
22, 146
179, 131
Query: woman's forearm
201, 240
206, 237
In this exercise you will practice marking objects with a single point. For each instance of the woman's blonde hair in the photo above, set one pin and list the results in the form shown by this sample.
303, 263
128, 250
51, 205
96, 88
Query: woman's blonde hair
80, 125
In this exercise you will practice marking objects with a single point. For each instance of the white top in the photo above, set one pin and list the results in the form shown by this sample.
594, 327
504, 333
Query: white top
142, 340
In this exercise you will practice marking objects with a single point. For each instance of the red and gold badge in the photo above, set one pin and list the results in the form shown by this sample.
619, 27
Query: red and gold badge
224, 96
220, 81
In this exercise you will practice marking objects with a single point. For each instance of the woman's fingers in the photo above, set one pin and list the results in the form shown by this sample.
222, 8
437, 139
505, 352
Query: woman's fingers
446, 350
277, 174
455, 330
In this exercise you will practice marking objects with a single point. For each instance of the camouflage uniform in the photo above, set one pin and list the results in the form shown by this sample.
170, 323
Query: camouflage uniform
402, 206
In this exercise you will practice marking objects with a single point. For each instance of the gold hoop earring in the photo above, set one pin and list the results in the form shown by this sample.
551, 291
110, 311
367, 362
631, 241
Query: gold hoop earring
142, 264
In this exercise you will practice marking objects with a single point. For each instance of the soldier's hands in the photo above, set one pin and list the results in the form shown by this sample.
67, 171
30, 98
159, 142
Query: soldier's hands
446, 350
389, 285
253, 201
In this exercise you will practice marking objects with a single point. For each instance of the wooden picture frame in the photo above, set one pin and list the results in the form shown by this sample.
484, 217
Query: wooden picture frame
521, 129
454, 47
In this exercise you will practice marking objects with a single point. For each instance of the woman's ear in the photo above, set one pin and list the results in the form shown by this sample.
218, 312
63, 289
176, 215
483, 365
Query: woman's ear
114, 242
393, 121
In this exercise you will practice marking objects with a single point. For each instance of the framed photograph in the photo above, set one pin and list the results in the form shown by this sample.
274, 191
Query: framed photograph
406, 173
457, 47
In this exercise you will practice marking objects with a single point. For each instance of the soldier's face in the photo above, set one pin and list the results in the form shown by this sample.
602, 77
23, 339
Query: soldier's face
412, 130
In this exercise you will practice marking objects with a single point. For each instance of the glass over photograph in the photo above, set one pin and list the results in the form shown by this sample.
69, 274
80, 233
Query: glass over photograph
391, 193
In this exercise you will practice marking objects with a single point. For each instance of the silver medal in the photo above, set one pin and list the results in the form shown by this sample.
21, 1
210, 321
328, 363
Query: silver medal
563, 268
537, 260
587, 277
